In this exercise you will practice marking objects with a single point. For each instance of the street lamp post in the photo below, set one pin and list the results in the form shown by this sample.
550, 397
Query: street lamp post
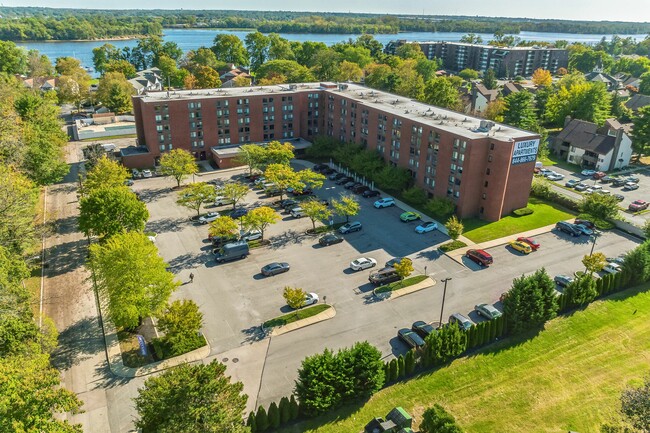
594, 236
444, 295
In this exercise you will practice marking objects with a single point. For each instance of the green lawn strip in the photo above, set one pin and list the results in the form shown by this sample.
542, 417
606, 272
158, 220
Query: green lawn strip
451, 246
110, 137
401, 284
568, 377
544, 213
554, 160
294, 316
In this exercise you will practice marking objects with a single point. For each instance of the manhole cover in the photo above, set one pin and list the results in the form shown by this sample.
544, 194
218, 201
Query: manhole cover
224, 360
235, 360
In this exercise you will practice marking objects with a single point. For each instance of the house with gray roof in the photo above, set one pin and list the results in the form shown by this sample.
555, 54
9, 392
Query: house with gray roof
637, 101
147, 80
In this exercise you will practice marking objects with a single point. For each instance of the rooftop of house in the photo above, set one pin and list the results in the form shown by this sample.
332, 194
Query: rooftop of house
637, 101
584, 135
614, 124
443, 119
490, 95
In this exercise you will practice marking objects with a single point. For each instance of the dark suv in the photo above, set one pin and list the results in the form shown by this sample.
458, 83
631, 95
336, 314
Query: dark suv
479, 257
384, 276
568, 228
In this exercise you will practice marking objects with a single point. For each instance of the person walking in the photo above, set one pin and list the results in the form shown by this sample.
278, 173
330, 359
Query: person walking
191, 278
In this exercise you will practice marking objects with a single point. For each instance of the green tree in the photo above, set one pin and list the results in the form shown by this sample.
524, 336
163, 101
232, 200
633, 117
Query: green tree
114, 91
282, 176
105, 173
635, 405
179, 164
294, 409
206, 77
586, 59
106, 212
234, 191
252, 422
531, 301
404, 268
206, 57
582, 290
257, 46
447, 343
409, 51
278, 153
315, 211
294, 296
409, 362
122, 66
13, 60
19, 198
131, 277
230, 49
437, 420
349, 71
104, 54
490, 79
519, 110
400, 367
260, 218
578, 99
644, 85
223, 227
32, 398
641, 132
290, 69
280, 48
392, 367
252, 155
594, 262
442, 93
195, 195
454, 227
637, 264
39, 65
181, 322
468, 74
285, 410
309, 179
261, 419
346, 206
169, 71
274, 416
600, 206
191, 397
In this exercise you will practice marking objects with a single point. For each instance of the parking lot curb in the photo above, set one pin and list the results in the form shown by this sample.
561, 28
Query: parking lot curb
320, 317
424, 284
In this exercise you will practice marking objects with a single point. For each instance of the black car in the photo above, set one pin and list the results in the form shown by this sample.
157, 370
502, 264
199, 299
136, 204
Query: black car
359, 189
305, 191
586, 223
618, 182
410, 338
619, 197
238, 213
563, 280
288, 202
370, 193
335, 176
275, 268
422, 328
319, 168
328, 171
330, 239
568, 228
219, 241
395, 260
350, 184
343, 180
384, 276
272, 192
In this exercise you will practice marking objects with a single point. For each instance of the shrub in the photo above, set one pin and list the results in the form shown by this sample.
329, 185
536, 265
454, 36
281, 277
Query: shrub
453, 245
437, 420
414, 196
181, 322
401, 368
409, 362
274, 416
449, 342
523, 211
285, 411
294, 409
251, 422
158, 348
393, 370
261, 419
440, 207
582, 291
531, 301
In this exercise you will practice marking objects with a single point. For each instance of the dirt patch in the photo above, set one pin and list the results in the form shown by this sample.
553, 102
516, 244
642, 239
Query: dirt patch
130, 347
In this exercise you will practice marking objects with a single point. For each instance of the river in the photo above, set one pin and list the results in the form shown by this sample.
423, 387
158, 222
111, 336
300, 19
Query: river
190, 39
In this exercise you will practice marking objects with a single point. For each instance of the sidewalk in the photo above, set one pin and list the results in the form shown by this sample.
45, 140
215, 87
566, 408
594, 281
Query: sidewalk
325, 315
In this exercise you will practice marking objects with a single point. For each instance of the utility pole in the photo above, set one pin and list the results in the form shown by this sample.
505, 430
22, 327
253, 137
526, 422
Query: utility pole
444, 295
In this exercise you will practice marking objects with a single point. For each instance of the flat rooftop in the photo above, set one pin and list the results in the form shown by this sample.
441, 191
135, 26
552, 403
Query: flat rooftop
233, 150
494, 47
451, 121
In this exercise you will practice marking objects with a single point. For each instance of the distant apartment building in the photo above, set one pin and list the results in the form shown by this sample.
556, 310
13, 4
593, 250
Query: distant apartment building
486, 169
507, 62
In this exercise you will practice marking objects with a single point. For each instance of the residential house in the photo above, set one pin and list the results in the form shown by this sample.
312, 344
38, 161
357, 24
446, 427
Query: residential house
637, 101
147, 80
228, 76
481, 97
585, 144
598, 76
42, 83
511, 87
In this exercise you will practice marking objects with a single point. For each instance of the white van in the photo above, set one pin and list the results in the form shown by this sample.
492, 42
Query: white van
298, 212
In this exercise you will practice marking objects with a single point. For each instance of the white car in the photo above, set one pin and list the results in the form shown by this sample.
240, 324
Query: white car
588, 173
147, 173
384, 202
221, 200
310, 298
426, 227
362, 263
555, 176
612, 268
209, 217
251, 235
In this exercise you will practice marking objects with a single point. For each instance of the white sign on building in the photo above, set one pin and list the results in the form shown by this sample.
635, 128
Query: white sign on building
525, 151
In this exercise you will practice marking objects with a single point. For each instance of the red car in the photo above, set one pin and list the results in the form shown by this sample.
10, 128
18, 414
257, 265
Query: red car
638, 205
599, 175
530, 241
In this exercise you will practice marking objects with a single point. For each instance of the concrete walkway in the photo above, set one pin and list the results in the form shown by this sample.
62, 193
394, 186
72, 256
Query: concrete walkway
323, 315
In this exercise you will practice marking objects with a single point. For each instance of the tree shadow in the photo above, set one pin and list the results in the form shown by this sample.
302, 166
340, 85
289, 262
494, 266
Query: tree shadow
165, 225
254, 334
66, 226
149, 195
285, 309
365, 288
77, 343
370, 298
430, 254
290, 237
188, 261
66, 257
108, 379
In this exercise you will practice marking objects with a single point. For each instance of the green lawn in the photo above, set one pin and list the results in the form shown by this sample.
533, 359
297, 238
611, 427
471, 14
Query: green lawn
544, 214
401, 284
296, 315
555, 160
566, 378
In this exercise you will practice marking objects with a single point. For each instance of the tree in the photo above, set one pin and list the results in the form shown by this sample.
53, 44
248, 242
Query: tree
400, 367
490, 79
600, 206
294, 409
13, 60
205, 57
635, 405
106, 212
280, 48
437, 420
278, 153
290, 69
241, 81
531, 301
191, 397
641, 132
104, 54
282, 176
542, 77
32, 398
252, 155
223, 227
578, 99
442, 93
294, 296
346, 206
309, 179
105, 173
285, 410
495, 109
179, 164
582, 290
409, 362
468, 74
131, 277
206, 78
454, 227
315, 211
594, 262
274, 416
260, 218
181, 322
230, 49
39, 65
251, 422
257, 46
19, 197
471, 38
404, 268
644, 85
122, 66
234, 191
196, 195
445, 344
114, 91
349, 71
73, 88
409, 51
519, 110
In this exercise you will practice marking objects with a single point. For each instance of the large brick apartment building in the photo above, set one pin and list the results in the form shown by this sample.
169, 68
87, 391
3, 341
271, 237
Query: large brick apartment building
485, 168
505, 61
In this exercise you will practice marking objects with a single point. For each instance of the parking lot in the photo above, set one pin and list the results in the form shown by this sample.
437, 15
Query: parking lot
236, 299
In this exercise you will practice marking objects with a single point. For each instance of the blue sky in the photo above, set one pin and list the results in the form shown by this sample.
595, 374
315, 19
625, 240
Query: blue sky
630, 10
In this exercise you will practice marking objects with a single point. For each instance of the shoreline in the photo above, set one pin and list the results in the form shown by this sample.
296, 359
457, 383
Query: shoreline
107, 39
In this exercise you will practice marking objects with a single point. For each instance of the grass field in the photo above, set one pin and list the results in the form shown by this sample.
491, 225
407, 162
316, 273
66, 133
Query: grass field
401, 284
543, 214
294, 316
568, 377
